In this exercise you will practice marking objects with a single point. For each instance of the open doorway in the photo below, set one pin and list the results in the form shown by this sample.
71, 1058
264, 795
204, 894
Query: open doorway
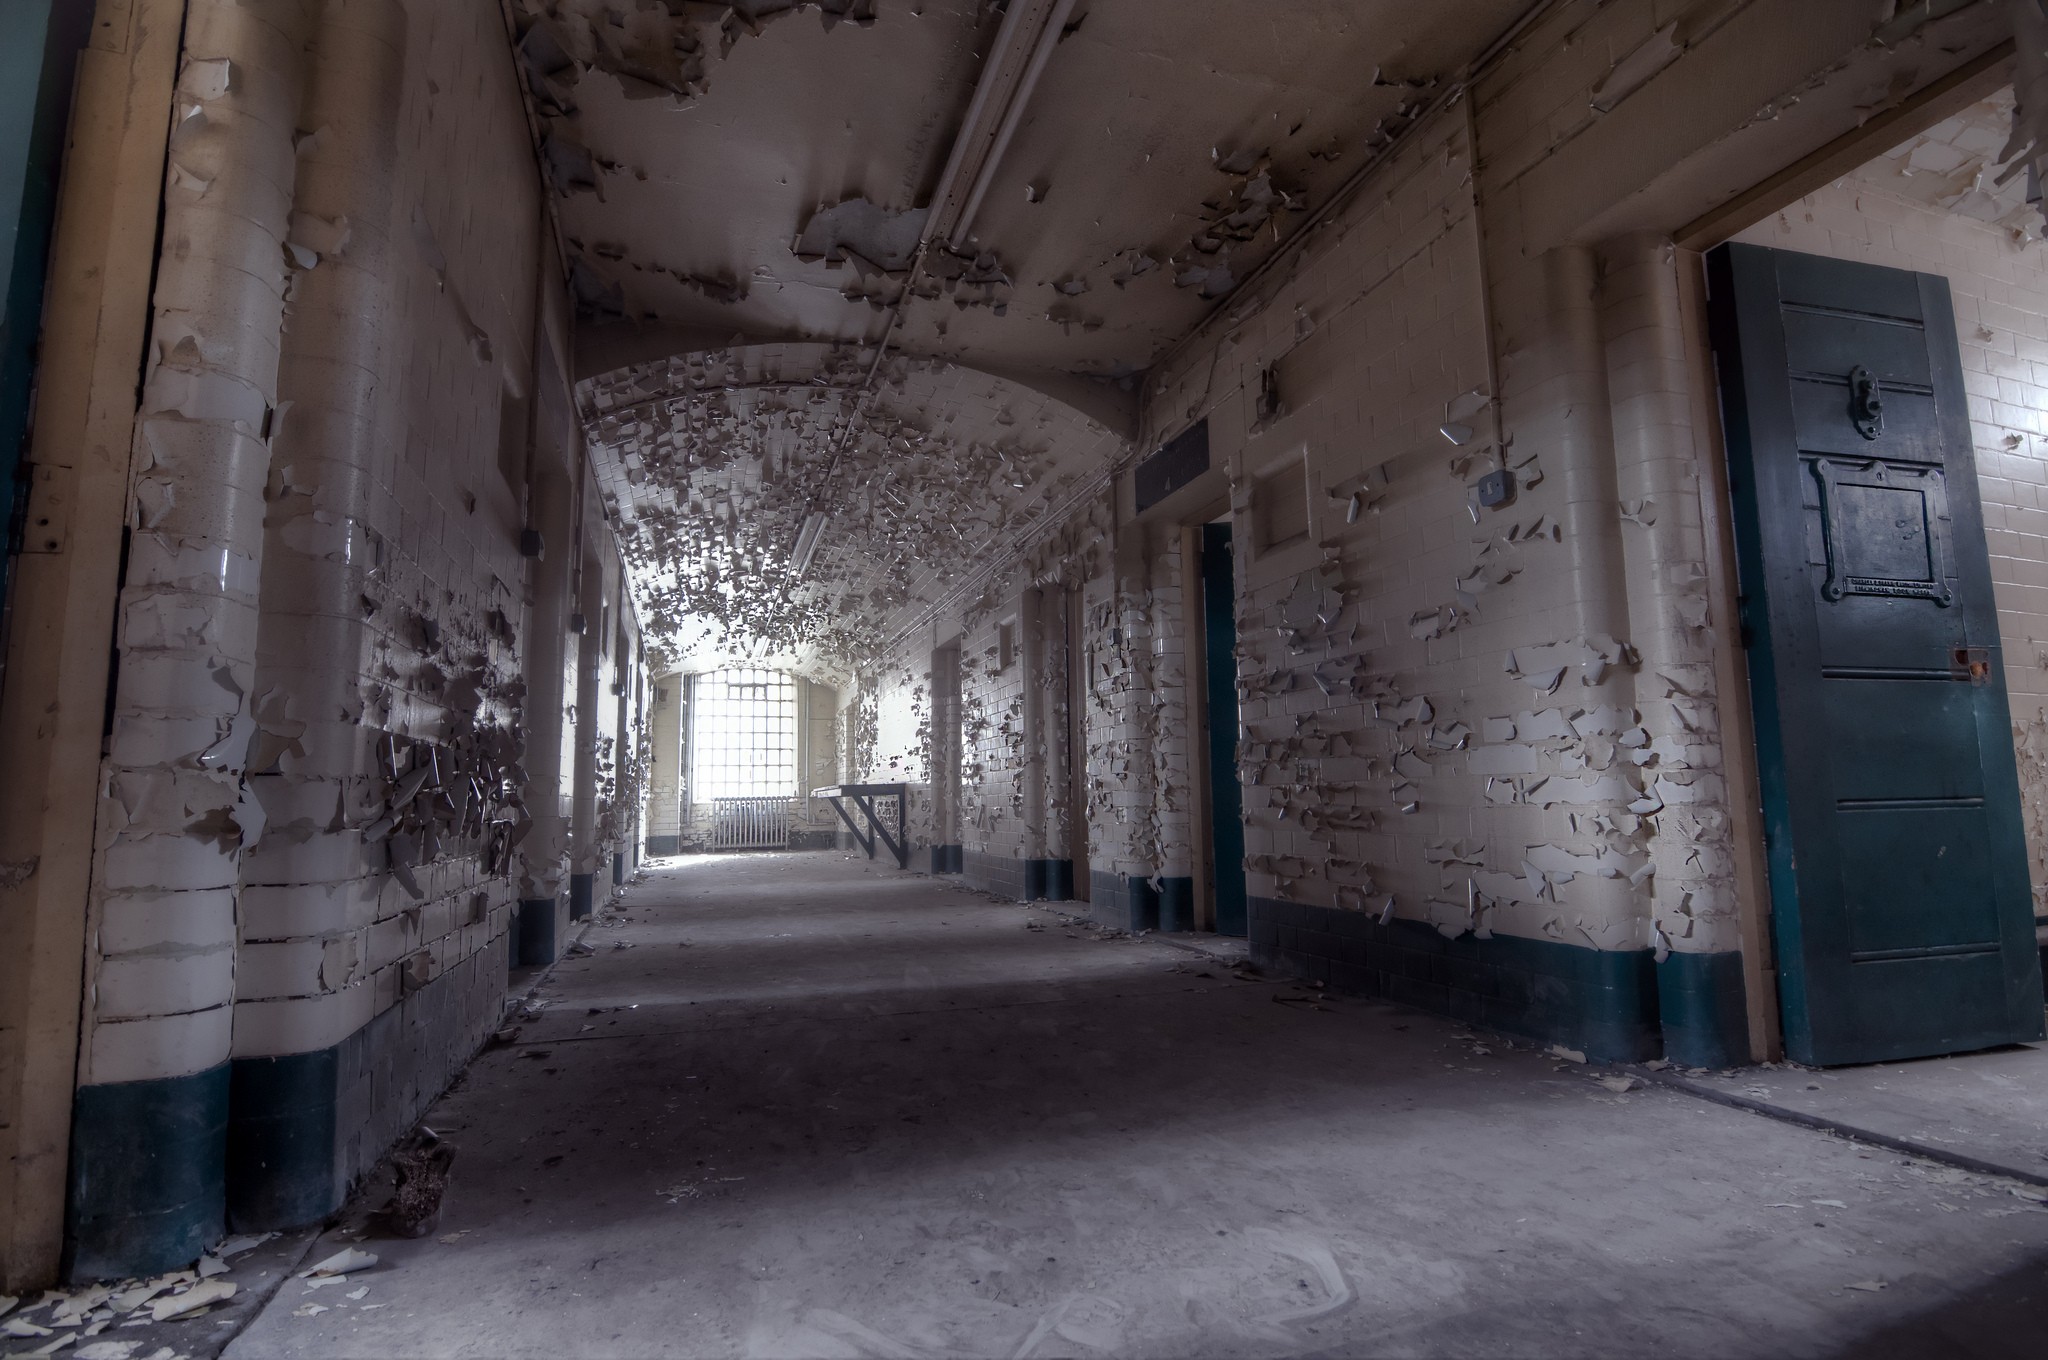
947, 854
1223, 800
1882, 348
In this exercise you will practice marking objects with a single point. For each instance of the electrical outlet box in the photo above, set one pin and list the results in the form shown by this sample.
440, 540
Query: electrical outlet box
1495, 488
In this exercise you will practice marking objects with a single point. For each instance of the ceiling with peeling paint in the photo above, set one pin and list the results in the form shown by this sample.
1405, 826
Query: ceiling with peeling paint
1954, 166
780, 172
710, 463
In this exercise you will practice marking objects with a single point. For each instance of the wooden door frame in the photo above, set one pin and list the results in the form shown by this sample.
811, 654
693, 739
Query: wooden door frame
1739, 759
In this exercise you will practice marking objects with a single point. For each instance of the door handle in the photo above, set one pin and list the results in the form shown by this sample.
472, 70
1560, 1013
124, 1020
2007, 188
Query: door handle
1866, 402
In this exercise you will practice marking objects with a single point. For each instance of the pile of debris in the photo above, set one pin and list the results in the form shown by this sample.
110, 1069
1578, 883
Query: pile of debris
61, 1319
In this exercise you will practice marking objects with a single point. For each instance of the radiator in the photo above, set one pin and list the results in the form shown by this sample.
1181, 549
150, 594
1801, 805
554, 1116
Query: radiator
750, 824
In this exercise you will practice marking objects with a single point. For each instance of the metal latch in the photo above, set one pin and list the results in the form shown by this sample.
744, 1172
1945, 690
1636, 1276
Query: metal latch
1866, 402
1972, 664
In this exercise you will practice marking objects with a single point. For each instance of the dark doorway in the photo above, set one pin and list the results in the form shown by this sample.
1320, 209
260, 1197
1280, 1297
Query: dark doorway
948, 856
1226, 795
1077, 744
1899, 893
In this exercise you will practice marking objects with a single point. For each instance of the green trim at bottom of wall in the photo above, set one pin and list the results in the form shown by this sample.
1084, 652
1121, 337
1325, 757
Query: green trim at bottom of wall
1138, 902
1048, 880
281, 1129
582, 891
1602, 1002
147, 1185
535, 938
1702, 1004
1176, 904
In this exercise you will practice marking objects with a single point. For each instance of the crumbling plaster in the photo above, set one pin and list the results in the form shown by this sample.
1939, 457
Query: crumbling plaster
922, 471
315, 792
390, 698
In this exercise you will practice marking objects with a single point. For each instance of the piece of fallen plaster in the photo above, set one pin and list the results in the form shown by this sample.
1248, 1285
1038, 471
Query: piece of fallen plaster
192, 1300
343, 1262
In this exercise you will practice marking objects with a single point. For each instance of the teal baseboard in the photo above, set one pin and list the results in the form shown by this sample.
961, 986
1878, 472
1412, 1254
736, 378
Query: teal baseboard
1602, 1002
582, 889
1122, 903
1048, 880
147, 1189
1702, 1006
1176, 903
282, 1122
536, 932
1137, 902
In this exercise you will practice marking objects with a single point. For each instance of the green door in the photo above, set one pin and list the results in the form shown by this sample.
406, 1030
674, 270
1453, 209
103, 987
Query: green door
1226, 794
1899, 896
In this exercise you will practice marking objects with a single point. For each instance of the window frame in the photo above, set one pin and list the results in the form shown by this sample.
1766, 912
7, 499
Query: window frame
743, 734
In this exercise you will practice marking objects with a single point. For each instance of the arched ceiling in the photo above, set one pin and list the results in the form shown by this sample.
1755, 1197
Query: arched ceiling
1031, 199
710, 463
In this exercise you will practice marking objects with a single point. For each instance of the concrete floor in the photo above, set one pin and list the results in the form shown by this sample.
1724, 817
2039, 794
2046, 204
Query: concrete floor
847, 1112
1985, 1110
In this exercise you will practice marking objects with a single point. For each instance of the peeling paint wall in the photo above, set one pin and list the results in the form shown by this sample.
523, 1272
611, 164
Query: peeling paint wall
1011, 807
1140, 794
389, 695
1492, 717
1359, 629
1999, 278
327, 501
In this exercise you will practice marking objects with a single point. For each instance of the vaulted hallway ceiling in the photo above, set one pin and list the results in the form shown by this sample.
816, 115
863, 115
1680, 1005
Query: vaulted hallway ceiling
984, 221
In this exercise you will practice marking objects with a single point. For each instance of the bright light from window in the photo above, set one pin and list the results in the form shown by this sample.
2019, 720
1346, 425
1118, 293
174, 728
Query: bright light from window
742, 735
